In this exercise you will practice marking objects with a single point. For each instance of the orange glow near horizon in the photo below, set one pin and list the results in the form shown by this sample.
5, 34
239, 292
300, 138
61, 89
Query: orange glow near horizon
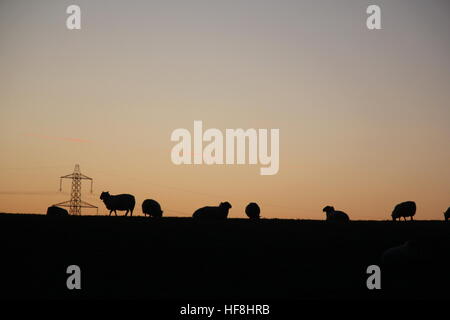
363, 116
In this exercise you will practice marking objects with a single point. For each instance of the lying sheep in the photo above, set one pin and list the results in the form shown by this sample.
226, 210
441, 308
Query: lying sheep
152, 208
404, 209
55, 211
119, 202
252, 211
213, 213
333, 215
447, 214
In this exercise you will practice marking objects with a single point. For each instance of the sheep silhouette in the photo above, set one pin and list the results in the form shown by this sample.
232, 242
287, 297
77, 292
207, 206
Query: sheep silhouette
152, 208
399, 265
333, 215
447, 214
401, 255
421, 263
252, 211
55, 211
213, 213
119, 202
404, 209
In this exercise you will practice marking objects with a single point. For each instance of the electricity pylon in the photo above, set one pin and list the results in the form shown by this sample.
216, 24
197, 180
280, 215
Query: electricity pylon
75, 203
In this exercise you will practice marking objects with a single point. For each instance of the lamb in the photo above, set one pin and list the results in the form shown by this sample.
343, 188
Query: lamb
55, 211
119, 202
152, 208
333, 215
447, 214
252, 211
213, 213
404, 209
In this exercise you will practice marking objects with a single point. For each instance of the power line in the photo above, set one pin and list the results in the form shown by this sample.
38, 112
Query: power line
75, 203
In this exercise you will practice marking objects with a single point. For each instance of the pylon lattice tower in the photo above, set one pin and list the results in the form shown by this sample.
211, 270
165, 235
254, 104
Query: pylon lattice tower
75, 203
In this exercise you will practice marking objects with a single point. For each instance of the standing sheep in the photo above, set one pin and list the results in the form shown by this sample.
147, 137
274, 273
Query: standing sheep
252, 211
333, 215
119, 202
213, 213
404, 209
152, 208
447, 214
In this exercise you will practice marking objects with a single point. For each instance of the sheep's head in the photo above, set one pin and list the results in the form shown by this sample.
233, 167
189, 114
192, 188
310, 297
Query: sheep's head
225, 205
395, 214
328, 209
104, 195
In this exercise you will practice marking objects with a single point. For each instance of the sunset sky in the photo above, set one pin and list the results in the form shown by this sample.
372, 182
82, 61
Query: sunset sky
364, 116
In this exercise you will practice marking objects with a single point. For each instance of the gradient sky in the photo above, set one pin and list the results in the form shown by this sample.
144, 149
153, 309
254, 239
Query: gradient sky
363, 115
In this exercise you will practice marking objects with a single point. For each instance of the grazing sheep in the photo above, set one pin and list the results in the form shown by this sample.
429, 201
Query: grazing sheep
252, 211
55, 211
404, 209
152, 208
447, 214
119, 202
213, 213
333, 215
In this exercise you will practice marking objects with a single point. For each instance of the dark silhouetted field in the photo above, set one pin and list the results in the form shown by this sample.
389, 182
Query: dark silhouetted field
177, 258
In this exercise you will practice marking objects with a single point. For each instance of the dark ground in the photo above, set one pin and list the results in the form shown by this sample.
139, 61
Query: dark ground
177, 258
